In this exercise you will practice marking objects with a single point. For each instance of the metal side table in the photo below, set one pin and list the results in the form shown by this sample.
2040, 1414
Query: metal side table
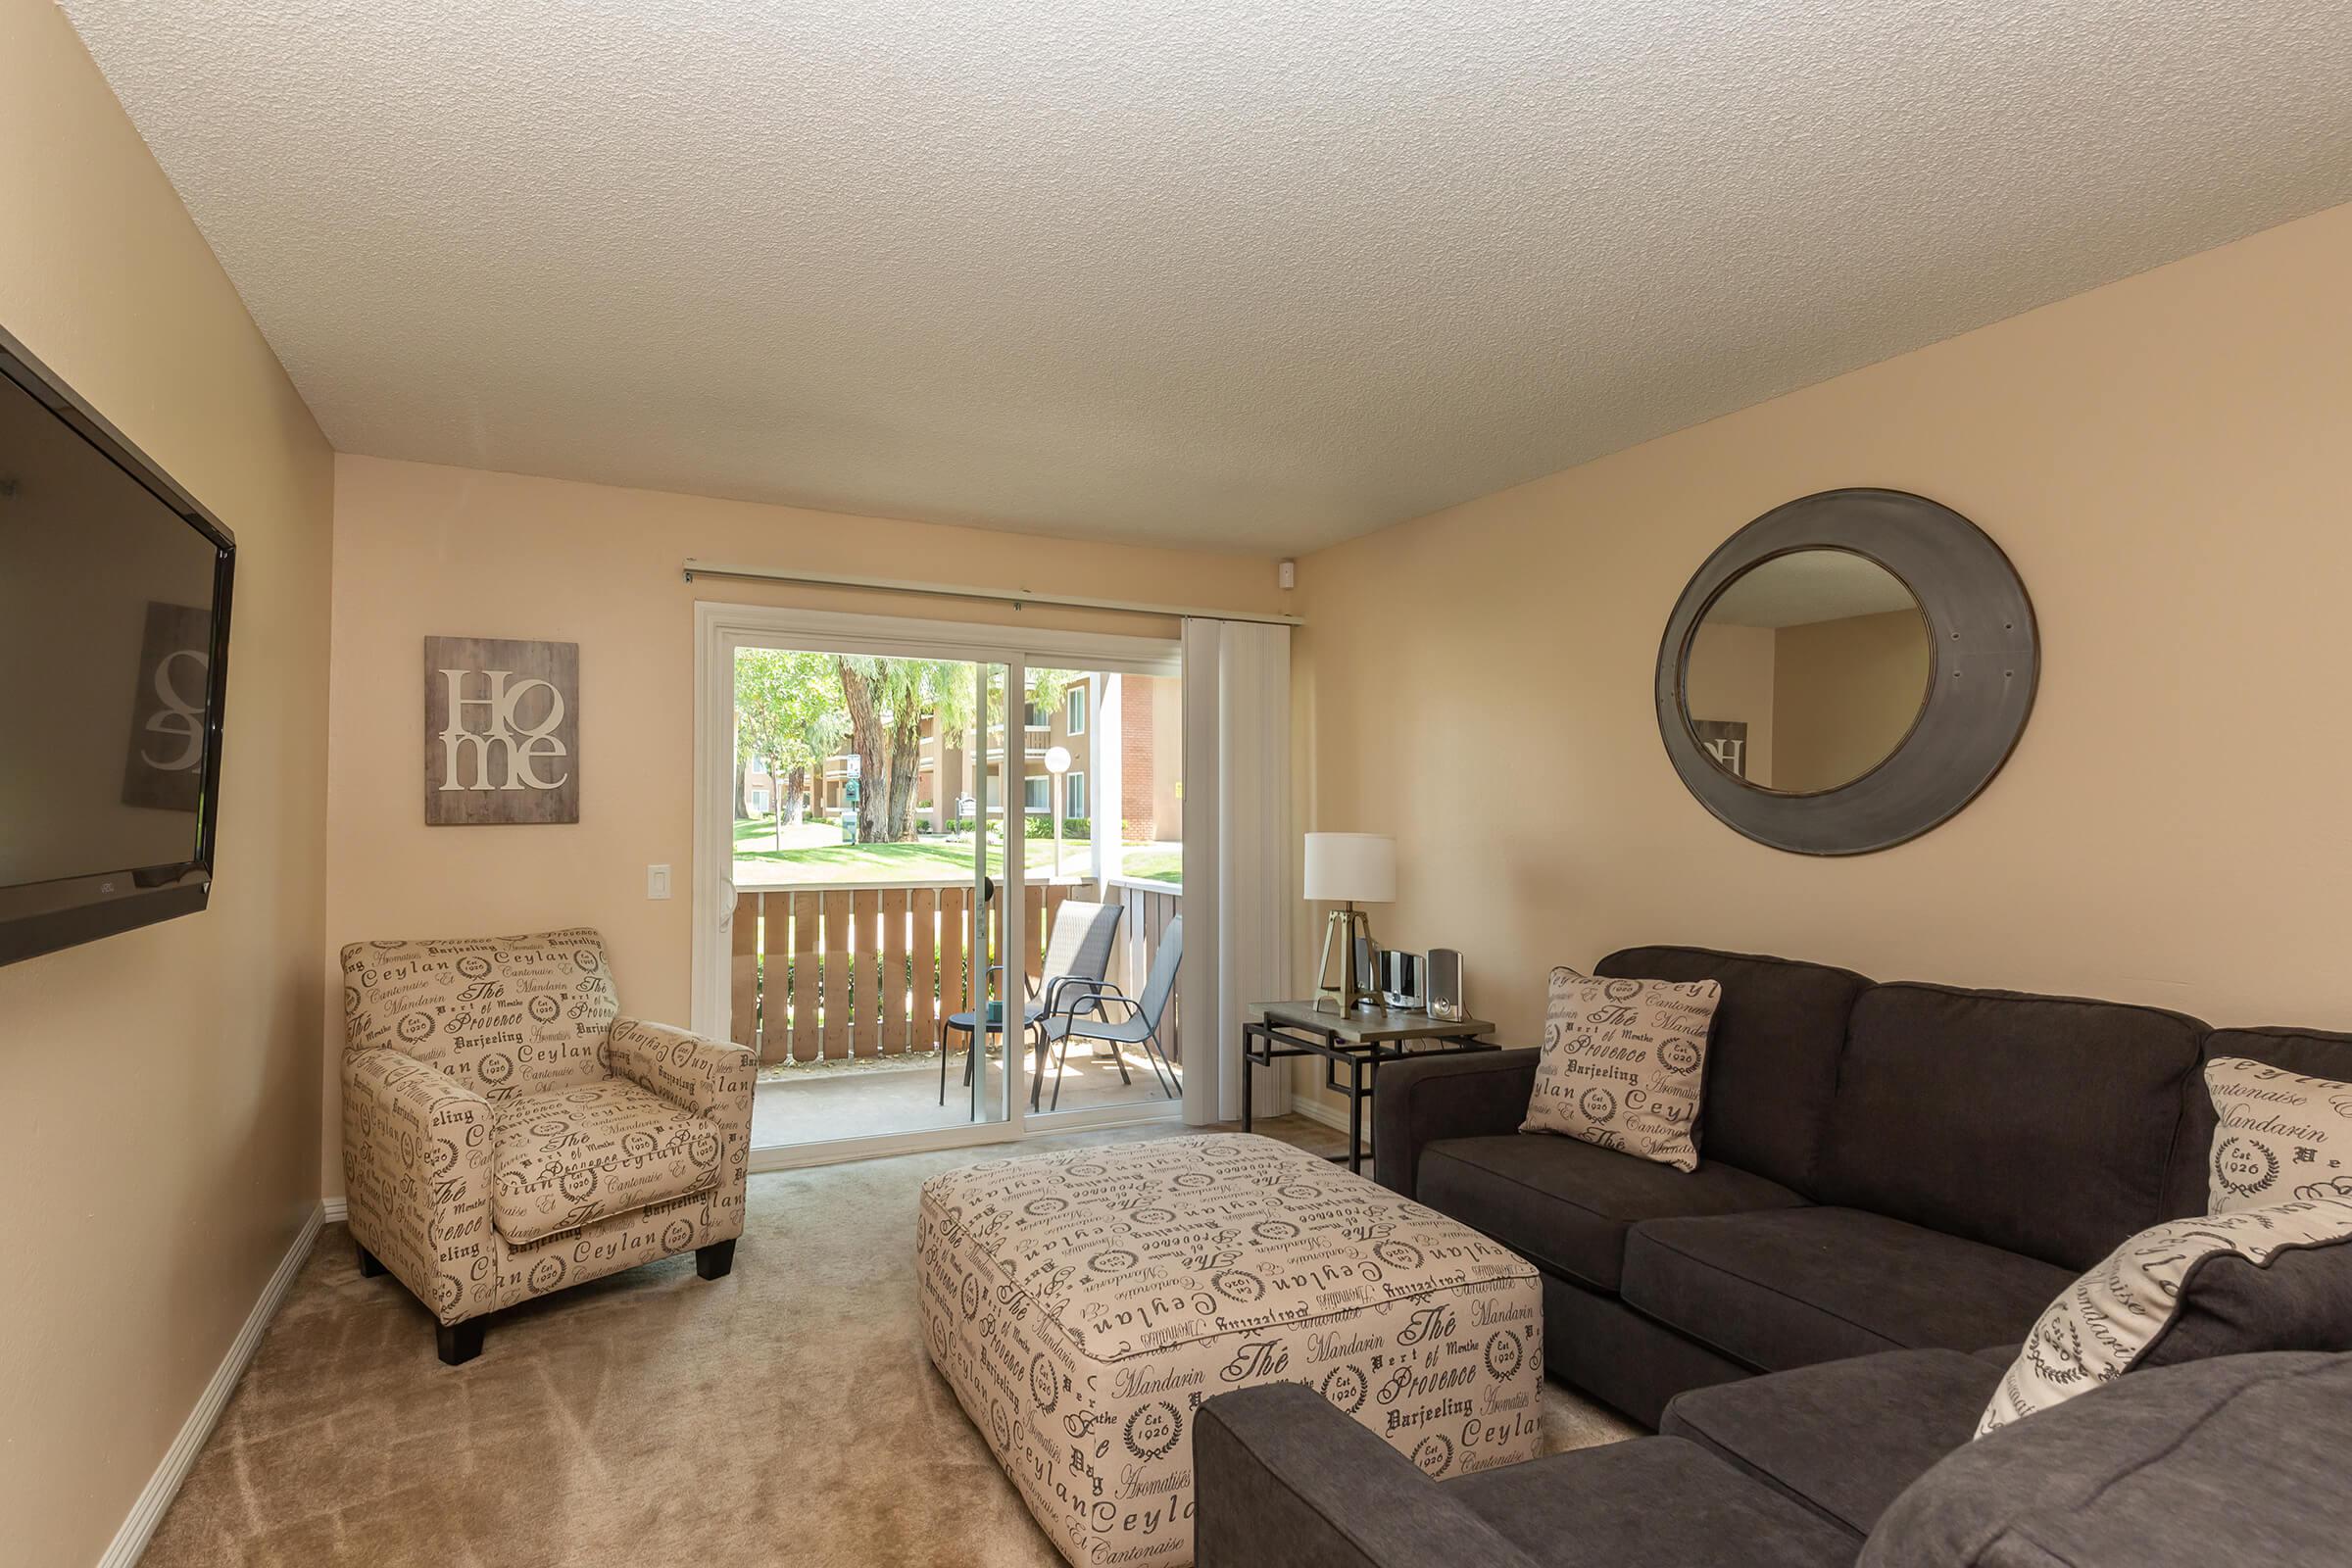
1358, 1041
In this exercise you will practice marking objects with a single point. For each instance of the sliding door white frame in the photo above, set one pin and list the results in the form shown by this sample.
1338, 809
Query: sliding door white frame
720, 629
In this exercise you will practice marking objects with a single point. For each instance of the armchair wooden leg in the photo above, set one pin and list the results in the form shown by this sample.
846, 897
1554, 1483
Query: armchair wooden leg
370, 1268
713, 1262
460, 1343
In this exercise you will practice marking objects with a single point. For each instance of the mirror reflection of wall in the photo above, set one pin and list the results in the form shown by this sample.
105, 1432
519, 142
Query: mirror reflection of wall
1807, 672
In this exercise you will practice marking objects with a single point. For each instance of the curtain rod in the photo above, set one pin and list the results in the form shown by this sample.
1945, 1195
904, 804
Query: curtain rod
1015, 598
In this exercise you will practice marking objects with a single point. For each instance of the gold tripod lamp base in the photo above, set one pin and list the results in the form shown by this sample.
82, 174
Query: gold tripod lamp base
1344, 927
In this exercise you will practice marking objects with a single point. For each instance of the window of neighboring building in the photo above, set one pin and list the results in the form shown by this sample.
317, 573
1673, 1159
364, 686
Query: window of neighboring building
1037, 716
1077, 705
1036, 795
1073, 795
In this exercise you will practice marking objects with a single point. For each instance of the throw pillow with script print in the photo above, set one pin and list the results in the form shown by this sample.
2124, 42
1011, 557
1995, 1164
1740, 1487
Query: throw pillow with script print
2258, 1279
2280, 1136
1623, 1064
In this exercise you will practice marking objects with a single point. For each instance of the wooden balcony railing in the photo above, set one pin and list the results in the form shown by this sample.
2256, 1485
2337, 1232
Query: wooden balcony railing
847, 970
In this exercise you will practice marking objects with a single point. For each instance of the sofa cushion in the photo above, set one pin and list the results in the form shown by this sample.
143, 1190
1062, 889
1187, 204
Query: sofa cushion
2039, 1125
586, 1154
1654, 1502
1772, 1060
2257, 1279
1628, 1362
1622, 1065
1844, 1438
2313, 1052
1805, 1285
1566, 1204
2236, 1460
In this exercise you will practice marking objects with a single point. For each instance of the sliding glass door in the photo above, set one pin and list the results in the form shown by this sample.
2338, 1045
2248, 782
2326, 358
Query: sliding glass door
861, 890
1103, 798
942, 866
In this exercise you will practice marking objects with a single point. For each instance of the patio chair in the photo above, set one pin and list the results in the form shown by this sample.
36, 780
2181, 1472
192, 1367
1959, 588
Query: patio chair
1080, 1016
1077, 953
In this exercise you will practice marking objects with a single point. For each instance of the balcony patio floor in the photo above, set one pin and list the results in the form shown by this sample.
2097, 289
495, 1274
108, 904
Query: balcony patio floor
817, 1104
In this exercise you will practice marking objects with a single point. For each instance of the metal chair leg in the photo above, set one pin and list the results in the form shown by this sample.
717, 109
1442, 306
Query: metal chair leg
968, 1038
1061, 1065
1152, 1057
1156, 1054
1157, 1077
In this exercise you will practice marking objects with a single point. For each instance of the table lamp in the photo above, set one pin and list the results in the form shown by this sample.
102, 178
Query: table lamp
1348, 868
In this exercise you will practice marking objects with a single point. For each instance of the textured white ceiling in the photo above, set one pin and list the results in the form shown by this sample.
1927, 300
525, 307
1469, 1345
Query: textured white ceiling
1242, 275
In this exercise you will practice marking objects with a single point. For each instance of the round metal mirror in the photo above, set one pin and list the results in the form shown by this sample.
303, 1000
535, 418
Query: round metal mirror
1846, 671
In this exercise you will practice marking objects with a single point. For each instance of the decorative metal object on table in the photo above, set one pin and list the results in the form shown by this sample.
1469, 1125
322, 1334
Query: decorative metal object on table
1400, 981
1443, 997
1359, 1040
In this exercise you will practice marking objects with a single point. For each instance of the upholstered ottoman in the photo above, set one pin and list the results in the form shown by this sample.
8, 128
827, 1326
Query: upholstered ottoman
1082, 1305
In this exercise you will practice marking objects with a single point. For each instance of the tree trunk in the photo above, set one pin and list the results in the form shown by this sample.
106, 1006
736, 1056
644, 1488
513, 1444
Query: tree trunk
872, 745
793, 813
743, 791
906, 766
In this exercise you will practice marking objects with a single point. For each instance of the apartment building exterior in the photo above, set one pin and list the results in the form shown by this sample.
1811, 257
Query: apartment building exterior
1133, 723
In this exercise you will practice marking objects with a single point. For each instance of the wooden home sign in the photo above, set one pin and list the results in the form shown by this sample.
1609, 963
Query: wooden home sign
502, 731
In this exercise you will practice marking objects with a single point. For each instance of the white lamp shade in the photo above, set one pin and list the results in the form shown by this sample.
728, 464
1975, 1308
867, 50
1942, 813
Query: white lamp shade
1352, 867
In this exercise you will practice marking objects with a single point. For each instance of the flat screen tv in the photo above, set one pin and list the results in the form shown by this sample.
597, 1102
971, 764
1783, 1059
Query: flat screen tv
113, 658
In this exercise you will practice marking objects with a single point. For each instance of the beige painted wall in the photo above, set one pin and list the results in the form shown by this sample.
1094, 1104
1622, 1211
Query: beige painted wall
2167, 461
1844, 693
163, 1086
429, 551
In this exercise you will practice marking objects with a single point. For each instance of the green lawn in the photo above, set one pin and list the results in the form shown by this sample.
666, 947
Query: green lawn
814, 853
1154, 862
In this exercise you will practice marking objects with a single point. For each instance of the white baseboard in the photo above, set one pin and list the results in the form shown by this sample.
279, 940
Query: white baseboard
336, 1210
161, 1486
1332, 1116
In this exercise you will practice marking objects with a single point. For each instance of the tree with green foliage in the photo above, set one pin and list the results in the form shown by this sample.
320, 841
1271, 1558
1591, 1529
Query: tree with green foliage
796, 709
866, 695
788, 711
916, 689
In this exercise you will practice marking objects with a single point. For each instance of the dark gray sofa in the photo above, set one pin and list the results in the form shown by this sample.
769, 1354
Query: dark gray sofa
1892, 1179
1883, 1168
2235, 1460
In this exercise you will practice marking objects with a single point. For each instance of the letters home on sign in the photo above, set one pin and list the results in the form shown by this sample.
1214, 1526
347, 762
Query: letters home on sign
502, 731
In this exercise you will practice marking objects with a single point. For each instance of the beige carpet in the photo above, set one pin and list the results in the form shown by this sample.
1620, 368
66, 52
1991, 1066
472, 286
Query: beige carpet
785, 1415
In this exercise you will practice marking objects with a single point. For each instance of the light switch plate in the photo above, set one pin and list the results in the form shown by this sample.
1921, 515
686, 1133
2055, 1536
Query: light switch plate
657, 881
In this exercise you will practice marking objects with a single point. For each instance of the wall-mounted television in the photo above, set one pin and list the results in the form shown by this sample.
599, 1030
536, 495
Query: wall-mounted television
113, 661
